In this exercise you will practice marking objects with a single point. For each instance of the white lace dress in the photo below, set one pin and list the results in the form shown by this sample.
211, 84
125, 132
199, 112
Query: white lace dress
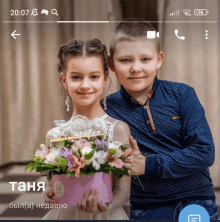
116, 130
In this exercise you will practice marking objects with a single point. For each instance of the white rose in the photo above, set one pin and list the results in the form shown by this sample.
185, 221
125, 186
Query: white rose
37, 153
86, 150
114, 146
99, 158
53, 156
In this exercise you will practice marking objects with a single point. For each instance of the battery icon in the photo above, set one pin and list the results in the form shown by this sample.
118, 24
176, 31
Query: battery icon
201, 12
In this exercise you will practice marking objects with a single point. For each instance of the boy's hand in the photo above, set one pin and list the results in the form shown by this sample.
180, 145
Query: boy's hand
137, 166
90, 203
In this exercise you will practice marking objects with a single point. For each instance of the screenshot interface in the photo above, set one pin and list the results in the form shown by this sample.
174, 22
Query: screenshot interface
59, 59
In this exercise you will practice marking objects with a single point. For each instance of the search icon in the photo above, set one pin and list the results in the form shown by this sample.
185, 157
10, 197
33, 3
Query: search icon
54, 12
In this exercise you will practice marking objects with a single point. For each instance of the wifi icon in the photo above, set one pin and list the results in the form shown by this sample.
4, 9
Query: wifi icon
186, 12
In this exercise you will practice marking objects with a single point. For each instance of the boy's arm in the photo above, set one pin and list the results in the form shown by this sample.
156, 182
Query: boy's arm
198, 150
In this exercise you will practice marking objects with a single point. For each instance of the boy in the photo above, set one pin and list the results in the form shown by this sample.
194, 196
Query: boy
169, 124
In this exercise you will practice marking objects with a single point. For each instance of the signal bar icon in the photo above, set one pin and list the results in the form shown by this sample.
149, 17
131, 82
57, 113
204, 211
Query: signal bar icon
176, 13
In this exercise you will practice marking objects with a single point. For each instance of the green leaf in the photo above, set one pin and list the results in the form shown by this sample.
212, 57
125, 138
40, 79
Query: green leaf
70, 174
64, 169
80, 153
46, 167
123, 147
106, 171
49, 175
90, 155
91, 173
58, 170
32, 156
32, 166
112, 151
119, 172
41, 161
68, 144
29, 166
77, 152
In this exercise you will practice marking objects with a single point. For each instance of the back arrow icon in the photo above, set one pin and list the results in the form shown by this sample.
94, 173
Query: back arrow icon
13, 34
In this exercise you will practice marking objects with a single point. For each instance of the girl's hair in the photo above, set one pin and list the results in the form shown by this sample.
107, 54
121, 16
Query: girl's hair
77, 48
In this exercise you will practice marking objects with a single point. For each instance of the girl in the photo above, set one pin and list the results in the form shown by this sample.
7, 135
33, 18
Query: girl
83, 70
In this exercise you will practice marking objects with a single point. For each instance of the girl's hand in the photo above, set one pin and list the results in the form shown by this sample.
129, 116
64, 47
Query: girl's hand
48, 196
90, 203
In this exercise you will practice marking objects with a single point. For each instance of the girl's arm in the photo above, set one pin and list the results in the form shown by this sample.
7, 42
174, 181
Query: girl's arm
122, 186
121, 192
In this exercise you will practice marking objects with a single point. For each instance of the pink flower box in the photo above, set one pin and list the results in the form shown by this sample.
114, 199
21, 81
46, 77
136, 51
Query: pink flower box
70, 190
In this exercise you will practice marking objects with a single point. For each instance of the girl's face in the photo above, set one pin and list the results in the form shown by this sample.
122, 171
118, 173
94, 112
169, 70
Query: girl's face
85, 79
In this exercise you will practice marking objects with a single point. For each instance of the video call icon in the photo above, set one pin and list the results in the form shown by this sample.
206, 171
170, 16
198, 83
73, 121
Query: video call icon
152, 34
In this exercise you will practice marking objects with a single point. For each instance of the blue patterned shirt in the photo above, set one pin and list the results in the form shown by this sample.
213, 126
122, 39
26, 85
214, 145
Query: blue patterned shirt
172, 132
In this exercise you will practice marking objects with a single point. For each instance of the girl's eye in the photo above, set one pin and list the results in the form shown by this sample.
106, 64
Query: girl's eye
145, 59
125, 60
75, 77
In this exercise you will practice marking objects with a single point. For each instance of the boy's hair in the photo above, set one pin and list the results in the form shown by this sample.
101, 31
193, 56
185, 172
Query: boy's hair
130, 30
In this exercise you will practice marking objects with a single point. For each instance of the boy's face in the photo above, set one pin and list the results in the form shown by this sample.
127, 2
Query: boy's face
135, 64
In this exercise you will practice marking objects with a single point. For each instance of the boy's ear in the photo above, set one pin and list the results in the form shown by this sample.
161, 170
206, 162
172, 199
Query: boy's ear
110, 63
160, 59
106, 76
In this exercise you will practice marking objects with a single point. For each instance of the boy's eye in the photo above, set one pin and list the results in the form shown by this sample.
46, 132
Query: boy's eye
94, 77
145, 59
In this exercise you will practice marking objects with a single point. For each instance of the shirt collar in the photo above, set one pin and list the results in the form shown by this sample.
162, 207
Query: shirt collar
132, 100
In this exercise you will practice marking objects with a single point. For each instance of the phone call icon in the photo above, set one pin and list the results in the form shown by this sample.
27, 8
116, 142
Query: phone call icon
179, 37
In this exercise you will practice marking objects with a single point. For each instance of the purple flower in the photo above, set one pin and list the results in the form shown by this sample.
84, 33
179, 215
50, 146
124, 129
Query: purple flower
64, 152
101, 144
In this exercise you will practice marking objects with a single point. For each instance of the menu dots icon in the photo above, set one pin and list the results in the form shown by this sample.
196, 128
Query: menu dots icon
206, 34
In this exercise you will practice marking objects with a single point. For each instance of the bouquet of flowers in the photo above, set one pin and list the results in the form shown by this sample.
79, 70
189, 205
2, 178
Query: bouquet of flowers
79, 164
77, 156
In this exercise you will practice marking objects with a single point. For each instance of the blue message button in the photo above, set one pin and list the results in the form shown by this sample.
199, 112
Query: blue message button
194, 213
